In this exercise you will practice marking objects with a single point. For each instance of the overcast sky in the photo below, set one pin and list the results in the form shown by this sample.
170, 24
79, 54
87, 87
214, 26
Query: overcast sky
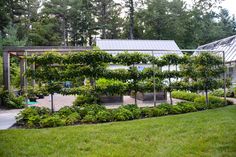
228, 4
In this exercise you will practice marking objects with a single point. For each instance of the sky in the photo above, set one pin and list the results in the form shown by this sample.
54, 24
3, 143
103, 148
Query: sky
228, 4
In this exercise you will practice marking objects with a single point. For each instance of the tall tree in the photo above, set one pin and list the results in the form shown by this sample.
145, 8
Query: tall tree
130, 5
45, 31
109, 20
82, 21
59, 9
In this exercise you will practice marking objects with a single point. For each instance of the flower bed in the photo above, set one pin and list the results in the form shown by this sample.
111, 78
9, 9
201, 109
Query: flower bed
35, 117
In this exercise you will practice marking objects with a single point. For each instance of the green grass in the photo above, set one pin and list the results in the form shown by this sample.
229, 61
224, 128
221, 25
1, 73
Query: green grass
207, 133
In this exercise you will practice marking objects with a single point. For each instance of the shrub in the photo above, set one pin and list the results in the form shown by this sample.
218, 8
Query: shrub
33, 122
110, 87
90, 107
25, 115
89, 118
175, 109
200, 106
52, 121
9, 100
213, 101
84, 99
185, 95
167, 107
65, 111
122, 114
136, 111
147, 112
220, 93
104, 116
72, 118
229, 102
186, 107
158, 111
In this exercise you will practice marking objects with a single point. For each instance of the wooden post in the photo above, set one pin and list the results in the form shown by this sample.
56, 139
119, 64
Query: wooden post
22, 70
6, 70
33, 68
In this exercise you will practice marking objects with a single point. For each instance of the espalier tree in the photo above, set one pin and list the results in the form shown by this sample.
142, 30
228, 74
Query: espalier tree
171, 60
47, 71
208, 68
200, 72
134, 75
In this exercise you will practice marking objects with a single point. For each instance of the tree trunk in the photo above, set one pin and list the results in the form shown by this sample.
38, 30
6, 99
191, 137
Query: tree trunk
131, 7
207, 98
64, 31
103, 20
135, 98
171, 101
52, 108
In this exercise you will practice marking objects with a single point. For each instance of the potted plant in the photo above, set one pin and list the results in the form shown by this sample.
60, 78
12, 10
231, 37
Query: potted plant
32, 97
145, 92
110, 91
31, 94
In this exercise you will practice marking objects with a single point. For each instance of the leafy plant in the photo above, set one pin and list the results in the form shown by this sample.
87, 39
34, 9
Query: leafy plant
213, 101
134, 109
158, 111
147, 112
104, 116
9, 100
185, 95
52, 121
110, 87
72, 118
122, 114
84, 99
89, 118
186, 107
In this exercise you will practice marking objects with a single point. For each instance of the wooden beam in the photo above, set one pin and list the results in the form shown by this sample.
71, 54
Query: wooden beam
6, 70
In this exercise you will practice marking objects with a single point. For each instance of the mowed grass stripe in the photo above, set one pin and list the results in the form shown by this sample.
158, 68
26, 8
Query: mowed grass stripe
208, 133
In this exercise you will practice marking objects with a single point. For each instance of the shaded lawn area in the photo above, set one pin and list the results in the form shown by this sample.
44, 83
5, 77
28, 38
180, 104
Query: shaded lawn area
207, 133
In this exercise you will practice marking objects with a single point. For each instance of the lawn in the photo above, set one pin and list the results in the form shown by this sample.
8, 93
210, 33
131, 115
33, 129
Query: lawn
207, 133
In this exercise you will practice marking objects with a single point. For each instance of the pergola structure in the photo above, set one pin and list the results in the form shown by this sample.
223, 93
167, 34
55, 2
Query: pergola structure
22, 52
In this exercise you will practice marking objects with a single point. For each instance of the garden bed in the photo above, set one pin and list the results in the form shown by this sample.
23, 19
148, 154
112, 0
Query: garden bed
35, 117
150, 96
111, 99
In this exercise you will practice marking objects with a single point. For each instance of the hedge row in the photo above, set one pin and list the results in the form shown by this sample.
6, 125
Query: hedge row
199, 99
184, 95
35, 117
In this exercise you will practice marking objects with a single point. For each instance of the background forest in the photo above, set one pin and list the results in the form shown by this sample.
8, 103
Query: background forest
79, 22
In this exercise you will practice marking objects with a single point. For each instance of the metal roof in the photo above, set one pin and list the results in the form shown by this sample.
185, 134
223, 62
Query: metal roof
159, 47
228, 45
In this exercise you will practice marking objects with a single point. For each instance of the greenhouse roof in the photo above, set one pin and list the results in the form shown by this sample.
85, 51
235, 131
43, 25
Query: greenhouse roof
148, 46
228, 45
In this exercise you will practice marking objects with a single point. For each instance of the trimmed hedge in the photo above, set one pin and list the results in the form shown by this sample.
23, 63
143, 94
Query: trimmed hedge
184, 95
213, 101
35, 117
220, 93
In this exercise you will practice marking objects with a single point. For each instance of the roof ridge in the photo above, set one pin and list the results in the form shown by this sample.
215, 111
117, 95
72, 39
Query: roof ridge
131, 40
233, 36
